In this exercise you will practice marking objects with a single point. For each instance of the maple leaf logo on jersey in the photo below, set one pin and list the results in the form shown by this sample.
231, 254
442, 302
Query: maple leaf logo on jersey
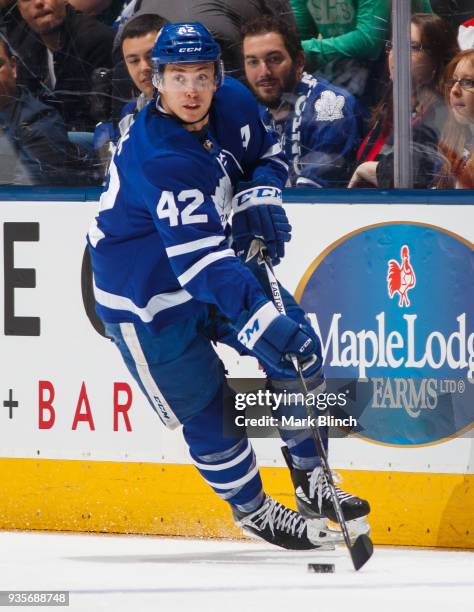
329, 106
222, 198
401, 277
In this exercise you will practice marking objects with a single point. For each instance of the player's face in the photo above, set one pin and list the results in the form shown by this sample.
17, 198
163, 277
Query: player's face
7, 77
186, 91
461, 100
137, 56
43, 16
269, 69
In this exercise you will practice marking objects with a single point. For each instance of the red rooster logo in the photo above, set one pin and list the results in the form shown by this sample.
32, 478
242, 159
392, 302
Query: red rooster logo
401, 278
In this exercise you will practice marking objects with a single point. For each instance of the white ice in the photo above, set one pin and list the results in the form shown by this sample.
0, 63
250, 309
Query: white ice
124, 573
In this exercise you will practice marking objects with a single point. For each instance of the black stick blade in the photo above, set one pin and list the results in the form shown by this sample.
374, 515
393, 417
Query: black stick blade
361, 551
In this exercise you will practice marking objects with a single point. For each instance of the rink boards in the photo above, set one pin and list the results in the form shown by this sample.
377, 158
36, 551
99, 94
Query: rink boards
82, 450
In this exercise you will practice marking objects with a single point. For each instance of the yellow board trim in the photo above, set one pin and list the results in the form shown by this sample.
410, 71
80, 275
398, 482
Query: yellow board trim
410, 509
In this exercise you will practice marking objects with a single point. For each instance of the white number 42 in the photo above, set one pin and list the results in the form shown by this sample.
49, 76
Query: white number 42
167, 209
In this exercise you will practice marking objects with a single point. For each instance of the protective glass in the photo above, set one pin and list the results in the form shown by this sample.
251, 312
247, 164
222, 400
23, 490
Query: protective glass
188, 81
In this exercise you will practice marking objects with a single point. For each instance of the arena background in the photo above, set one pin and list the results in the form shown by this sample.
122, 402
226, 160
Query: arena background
82, 451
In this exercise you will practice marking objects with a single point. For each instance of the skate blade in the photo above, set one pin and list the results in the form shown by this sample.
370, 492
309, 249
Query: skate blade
323, 545
356, 527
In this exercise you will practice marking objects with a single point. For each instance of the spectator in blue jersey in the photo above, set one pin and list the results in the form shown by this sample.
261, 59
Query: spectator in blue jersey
319, 124
34, 148
167, 284
136, 41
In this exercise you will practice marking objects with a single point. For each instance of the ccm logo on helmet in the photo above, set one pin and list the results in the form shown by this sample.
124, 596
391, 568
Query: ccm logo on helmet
190, 50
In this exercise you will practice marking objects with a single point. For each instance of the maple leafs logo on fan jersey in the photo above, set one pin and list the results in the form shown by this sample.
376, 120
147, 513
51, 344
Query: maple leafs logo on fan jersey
329, 106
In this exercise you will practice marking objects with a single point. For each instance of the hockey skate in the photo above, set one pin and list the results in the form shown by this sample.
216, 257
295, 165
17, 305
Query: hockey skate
314, 502
279, 525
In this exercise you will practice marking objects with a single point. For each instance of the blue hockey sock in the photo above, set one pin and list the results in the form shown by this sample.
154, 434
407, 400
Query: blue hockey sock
227, 464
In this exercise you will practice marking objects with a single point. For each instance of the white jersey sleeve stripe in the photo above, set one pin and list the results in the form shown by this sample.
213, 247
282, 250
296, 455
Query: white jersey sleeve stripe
302, 180
194, 245
217, 467
157, 399
106, 202
281, 162
272, 151
235, 160
156, 304
202, 263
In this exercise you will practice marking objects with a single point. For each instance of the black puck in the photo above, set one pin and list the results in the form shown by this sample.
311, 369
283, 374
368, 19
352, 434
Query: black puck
321, 568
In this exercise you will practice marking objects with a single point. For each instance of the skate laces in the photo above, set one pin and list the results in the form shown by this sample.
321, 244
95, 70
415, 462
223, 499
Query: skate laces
318, 484
275, 516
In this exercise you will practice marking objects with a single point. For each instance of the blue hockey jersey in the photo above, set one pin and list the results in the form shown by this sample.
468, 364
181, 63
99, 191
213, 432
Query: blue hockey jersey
159, 245
321, 135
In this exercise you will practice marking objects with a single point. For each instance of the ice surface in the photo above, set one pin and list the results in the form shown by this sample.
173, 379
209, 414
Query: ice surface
176, 574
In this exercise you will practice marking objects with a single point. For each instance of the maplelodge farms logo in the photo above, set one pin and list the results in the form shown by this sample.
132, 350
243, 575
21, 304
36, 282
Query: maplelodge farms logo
413, 348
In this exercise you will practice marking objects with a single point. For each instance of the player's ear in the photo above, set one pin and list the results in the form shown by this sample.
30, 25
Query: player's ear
158, 83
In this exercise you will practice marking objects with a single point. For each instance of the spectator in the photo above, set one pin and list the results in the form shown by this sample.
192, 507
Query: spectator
13, 28
433, 45
34, 148
457, 141
223, 18
342, 39
454, 11
137, 40
62, 48
105, 11
319, 124
9, 17
466, 35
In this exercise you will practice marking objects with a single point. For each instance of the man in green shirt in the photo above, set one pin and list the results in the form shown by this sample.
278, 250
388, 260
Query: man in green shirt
351, 30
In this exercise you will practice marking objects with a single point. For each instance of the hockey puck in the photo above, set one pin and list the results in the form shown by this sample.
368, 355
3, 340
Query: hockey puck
321, 568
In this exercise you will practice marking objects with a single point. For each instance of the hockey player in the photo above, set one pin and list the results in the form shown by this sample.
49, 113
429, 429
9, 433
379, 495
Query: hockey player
319, 124
167, 283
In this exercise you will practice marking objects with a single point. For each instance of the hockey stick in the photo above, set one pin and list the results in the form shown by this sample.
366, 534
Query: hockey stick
362, 548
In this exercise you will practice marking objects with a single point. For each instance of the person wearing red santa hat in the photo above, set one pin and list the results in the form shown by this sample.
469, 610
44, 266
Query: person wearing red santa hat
466, 35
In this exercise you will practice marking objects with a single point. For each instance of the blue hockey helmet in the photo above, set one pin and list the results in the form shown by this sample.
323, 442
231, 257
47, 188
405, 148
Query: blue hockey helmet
185, 43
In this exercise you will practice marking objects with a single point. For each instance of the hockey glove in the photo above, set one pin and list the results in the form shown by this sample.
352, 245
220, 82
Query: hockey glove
258, 213
273, 338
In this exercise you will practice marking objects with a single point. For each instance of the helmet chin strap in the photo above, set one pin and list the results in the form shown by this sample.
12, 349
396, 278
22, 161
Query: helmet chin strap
183, 122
